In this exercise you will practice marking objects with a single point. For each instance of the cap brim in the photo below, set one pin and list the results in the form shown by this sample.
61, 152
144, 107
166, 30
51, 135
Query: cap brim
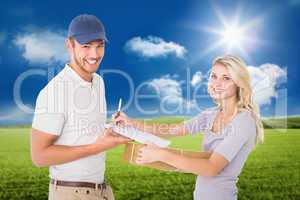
86, 38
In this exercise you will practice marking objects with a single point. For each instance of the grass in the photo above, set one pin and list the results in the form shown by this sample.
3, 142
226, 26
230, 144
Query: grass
272, 171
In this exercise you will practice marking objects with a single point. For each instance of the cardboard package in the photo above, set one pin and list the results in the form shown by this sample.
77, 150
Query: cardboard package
131, 151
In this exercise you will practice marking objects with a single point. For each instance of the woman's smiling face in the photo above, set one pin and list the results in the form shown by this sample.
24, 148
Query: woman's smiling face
220, 84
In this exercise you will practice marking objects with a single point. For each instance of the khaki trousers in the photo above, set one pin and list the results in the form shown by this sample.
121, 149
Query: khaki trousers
57, 192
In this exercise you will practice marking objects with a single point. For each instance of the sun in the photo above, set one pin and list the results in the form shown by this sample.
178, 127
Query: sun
233, 36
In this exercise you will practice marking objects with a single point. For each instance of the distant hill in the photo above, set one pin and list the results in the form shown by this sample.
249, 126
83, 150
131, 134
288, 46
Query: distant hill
289, 122
292, 122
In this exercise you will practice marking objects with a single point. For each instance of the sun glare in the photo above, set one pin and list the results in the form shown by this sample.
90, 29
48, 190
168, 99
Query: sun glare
233, 37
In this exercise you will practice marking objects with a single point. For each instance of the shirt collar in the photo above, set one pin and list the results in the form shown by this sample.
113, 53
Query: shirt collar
75, 76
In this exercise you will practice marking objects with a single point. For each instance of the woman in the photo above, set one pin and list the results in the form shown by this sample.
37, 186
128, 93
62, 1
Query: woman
231, 130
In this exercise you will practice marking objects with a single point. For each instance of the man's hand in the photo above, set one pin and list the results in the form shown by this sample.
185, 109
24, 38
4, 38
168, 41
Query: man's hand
120, 118
45, 152
110, 140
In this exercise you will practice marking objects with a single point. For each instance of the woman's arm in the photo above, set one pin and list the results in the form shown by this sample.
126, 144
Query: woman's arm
204, 167
243, 130
159, 129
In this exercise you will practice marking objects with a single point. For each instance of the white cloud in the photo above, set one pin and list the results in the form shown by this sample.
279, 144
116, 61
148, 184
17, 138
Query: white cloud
152, 47
42, 46
197, 78
170, 92
265, 78
168, 89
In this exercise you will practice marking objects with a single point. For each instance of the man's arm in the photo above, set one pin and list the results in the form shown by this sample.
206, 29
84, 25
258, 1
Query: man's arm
44, 152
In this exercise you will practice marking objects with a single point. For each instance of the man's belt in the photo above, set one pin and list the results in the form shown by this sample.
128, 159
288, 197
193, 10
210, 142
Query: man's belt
78, 184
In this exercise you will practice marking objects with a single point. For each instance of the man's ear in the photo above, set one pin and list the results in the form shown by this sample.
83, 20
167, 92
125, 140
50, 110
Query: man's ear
68, 43
69, 46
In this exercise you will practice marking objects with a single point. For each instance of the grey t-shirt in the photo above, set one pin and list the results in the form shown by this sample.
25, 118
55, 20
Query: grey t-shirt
235, 141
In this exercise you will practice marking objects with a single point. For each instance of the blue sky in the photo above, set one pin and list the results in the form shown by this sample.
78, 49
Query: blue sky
160, 49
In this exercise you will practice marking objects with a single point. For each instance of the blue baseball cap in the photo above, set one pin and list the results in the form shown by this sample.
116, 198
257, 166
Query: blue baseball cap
86, 28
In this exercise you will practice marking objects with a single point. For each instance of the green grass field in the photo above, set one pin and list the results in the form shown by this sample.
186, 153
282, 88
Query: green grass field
271, 172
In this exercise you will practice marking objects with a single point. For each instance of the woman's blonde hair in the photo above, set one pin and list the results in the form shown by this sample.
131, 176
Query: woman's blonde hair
237, 68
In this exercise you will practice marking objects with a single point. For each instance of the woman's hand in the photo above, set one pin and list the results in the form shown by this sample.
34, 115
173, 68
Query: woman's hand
120, 118
150, 153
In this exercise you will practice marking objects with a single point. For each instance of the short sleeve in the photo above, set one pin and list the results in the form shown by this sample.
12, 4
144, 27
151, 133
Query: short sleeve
102, 89
241, 131
199, 123
47, 118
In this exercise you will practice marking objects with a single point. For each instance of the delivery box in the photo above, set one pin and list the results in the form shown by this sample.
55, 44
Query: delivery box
131, 151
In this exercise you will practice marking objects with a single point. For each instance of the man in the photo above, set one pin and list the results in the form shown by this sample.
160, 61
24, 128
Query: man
68, 133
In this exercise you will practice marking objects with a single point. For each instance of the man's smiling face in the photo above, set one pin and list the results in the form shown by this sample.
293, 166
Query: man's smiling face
87, 56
